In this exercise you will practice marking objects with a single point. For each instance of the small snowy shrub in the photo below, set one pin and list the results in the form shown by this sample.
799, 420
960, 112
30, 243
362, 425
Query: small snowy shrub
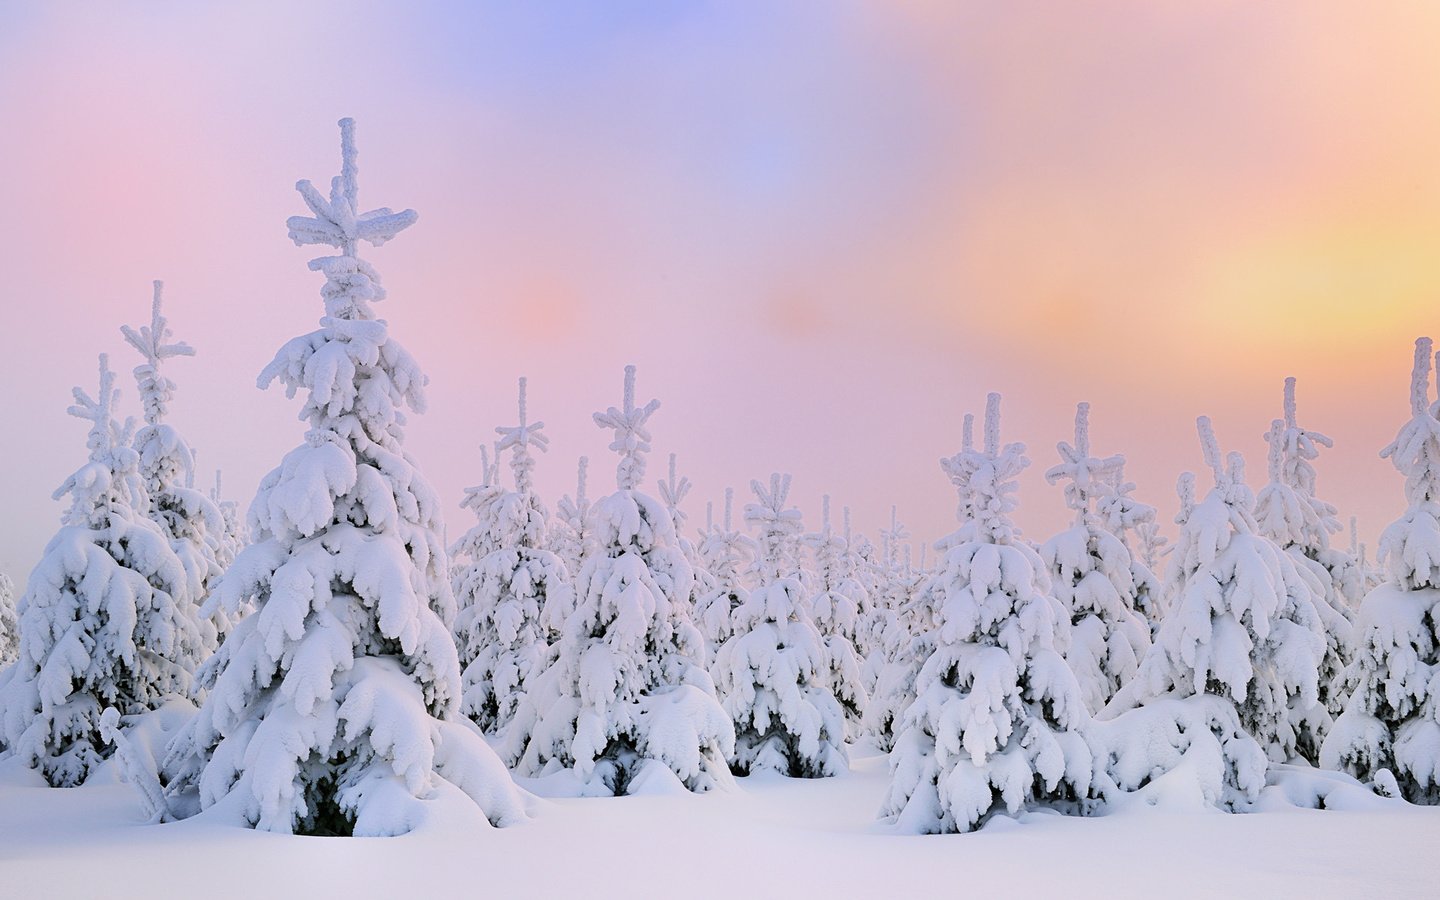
628, 690
98, 626
773, 671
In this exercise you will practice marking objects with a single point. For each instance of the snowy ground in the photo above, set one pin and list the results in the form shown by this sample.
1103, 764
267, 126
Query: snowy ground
771, 837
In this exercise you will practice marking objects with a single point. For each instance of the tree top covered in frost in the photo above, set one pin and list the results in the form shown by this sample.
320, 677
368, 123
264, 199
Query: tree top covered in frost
1410, 546
338, 222
673, 491
780, 528
522, 437
151, 340
1086, 476
1118, 510
1298, 447
1415, 452
990, 480
90, 487
632, 435
958, 469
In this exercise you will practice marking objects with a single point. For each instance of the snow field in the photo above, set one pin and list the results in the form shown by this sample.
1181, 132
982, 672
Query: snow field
771, 836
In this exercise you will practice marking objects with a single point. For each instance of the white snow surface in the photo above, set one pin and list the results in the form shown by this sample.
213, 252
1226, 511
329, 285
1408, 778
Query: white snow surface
818, 837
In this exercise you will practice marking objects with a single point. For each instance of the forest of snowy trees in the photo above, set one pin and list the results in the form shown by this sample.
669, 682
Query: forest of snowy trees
329, 662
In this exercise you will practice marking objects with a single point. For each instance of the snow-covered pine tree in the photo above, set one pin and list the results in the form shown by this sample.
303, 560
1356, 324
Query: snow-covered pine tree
902, 636
773, 672
1173, 581
1389, 733
233, 534
1287, 512
728, 554
1092, 573
191, 521
97, 626
908, 641
858, 554
1309, 533
836, 611
1371, 575
628, 697
996, 722
1121, 515
335, 707
1152, 550
568, 529
9, 624
882, 630
567, 541
892, 576
502, 579
1236, 658
673, 491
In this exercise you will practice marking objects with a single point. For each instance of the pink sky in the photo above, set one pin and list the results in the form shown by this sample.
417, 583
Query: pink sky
822, 231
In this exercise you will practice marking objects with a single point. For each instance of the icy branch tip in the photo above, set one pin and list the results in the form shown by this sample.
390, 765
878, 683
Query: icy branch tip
992, 424
1185, 490
1277, 440
1082, 429
1235, 467
348, 170
1420, 376
1210, 447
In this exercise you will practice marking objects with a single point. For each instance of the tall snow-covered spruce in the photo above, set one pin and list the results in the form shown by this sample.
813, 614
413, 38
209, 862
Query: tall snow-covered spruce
98, 627
1094, 576
335, 708
503, 579
995, 726
627, 702
190, 519
773, 672
1389, 733
1233, 670
1288, 513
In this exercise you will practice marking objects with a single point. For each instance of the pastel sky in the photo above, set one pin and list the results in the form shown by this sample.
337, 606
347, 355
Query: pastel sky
822, 230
